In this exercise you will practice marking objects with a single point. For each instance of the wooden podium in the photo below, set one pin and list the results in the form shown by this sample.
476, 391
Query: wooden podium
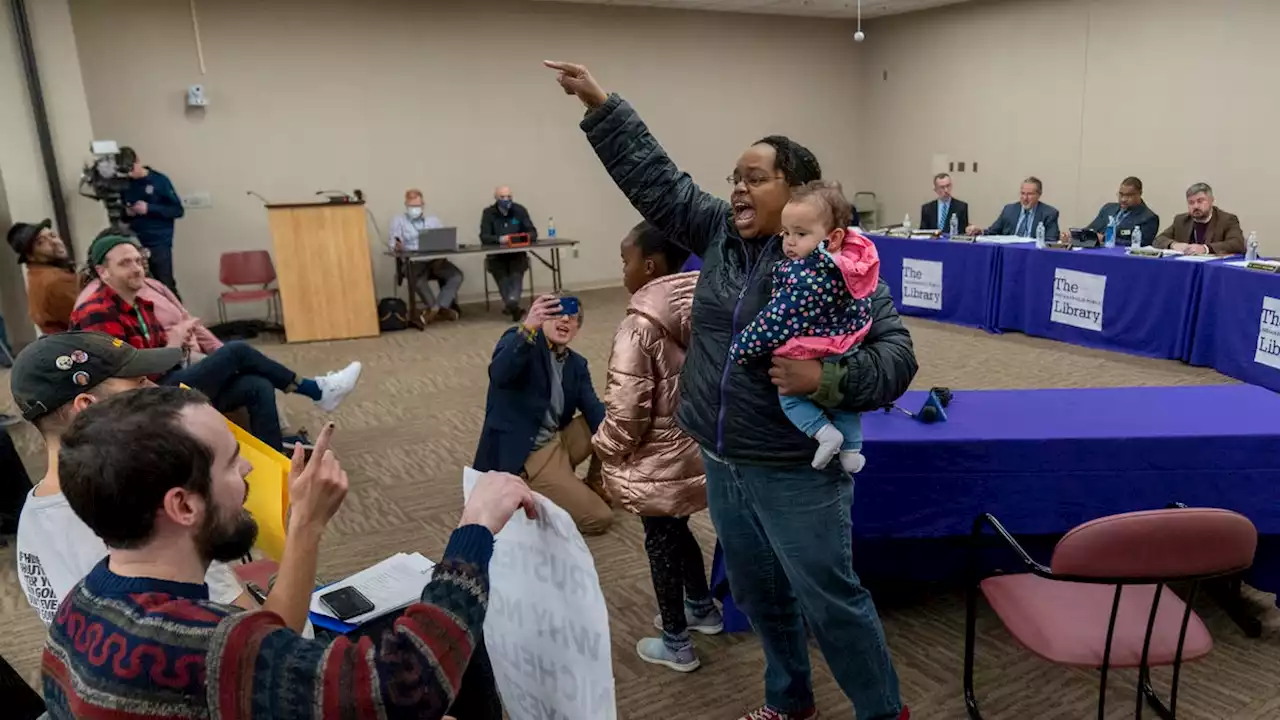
324, 270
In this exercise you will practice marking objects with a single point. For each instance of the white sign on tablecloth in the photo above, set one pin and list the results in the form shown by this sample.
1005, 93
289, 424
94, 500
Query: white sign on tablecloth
1077, 298
547, 629
922, 283
1268, 352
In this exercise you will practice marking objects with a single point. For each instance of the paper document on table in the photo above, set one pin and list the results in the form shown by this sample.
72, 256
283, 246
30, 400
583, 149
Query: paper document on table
390, 585
1005, 239
1201, 258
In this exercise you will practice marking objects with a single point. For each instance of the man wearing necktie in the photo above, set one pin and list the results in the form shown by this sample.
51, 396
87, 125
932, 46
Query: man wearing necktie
937, 214
1131, 213
1023, 217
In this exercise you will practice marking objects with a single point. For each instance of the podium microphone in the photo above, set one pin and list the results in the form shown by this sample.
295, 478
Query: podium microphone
264, 200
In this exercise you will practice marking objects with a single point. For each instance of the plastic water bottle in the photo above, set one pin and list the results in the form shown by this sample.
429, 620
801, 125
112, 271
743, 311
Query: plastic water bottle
906, 223
1040, 235
551, 228
1135, 240
1109, 240
955, 225
1251, 248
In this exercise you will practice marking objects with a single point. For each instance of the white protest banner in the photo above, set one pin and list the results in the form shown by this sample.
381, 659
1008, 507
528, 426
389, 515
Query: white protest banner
922, 283
1268, 352
547, 629
1077, 299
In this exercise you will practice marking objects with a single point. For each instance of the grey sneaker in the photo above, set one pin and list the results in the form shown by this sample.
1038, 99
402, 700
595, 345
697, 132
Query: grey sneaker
710, 624
654, 650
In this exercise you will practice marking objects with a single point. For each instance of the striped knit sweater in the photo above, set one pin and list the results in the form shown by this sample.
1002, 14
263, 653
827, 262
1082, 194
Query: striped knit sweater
136, 648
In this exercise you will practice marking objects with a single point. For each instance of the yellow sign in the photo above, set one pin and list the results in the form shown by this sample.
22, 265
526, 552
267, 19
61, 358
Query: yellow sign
268, 499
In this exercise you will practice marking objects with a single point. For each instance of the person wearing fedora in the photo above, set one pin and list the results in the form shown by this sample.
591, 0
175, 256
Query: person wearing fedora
234, 376
53, 380
51, 279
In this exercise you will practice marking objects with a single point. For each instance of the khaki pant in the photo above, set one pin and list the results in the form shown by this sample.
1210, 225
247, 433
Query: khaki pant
551, 472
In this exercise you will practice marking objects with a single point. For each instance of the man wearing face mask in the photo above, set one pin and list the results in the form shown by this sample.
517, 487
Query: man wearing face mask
501, 220
405, 229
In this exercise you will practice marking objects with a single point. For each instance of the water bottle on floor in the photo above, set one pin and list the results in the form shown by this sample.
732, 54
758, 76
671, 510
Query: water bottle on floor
906, 223
1109, 240
1135, 240
1040, 235
955, 225
1251, 247
551, 228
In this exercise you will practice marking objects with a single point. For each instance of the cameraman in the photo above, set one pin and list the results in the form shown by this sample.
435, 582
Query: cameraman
151, 205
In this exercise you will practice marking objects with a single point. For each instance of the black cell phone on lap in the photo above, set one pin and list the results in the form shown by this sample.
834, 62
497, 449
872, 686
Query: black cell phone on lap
346, 603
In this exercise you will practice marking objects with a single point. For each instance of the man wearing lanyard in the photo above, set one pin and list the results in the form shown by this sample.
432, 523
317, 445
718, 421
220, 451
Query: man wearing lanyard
234, 376
1023, 217
1130, 213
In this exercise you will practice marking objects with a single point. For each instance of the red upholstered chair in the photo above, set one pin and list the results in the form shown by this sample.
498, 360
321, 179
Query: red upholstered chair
1104, 600
253, 267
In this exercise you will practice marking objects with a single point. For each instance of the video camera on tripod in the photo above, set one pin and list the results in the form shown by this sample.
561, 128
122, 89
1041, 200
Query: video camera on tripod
106, 178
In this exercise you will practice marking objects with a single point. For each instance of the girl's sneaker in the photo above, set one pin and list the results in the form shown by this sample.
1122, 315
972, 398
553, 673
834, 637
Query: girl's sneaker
712, 623
654, 650
765, 712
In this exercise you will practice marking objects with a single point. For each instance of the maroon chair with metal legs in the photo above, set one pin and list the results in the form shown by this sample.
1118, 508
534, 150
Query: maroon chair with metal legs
1104, 600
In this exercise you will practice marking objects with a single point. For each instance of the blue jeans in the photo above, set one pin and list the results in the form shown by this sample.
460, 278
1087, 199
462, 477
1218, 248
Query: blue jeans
160, 263
786, 534
238, 376
806, 415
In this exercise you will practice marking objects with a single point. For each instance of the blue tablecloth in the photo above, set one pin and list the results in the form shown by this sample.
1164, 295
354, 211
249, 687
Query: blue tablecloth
1148, 305
1044, 461
1238, 324
970, 279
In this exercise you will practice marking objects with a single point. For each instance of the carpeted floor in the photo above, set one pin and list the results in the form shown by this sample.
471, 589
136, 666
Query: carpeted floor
412, 424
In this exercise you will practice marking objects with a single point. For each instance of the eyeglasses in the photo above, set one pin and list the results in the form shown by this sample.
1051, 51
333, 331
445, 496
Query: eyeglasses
754, 181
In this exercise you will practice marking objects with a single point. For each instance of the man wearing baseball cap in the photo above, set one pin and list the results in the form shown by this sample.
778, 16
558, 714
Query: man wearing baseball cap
234, 376
53, 380
51, 279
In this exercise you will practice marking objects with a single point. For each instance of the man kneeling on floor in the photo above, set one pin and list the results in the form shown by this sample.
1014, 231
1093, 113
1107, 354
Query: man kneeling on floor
156, 473
532, 426
53, 379
234, 376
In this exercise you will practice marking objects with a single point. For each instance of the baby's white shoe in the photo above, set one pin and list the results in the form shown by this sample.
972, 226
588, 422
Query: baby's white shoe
829, 441
852, 461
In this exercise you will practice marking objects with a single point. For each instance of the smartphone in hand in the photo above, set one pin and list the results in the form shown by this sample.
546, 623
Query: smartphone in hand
569, 306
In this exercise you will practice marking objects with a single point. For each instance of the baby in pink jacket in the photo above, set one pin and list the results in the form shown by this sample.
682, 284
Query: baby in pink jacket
820, 308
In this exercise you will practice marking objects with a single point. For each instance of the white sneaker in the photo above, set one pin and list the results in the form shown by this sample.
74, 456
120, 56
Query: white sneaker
335, 386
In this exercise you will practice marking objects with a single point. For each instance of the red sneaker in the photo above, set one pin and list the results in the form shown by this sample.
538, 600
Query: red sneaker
764, 712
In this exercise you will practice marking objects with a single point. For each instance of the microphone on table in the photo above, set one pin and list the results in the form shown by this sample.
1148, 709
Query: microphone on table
934, 409
264, 200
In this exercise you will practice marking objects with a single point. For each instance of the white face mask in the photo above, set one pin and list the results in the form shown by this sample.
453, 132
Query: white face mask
415, 211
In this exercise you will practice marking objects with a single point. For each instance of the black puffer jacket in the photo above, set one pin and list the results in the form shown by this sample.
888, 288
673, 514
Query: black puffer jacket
733, 410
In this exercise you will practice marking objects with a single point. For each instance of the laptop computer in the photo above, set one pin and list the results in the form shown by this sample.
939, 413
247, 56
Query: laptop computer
438, 240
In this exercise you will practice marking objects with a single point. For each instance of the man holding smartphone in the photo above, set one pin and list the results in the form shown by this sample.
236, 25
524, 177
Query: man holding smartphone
183, 508
542, 410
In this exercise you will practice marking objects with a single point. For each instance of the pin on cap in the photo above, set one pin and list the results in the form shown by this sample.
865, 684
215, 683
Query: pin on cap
63, 362
81, 378
79, 357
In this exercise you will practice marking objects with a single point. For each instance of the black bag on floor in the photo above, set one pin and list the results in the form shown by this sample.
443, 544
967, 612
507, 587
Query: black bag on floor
393, 314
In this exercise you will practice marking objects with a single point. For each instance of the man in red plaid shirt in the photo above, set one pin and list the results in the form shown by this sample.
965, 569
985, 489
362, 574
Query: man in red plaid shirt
234, 376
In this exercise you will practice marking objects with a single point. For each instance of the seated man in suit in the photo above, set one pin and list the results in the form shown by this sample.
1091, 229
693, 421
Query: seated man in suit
537, 387
1130, 213
936, 214
1203, 228
1022, 218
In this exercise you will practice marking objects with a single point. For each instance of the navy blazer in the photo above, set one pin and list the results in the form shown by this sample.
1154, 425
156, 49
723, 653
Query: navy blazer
929, 215
519, 395
1007, 223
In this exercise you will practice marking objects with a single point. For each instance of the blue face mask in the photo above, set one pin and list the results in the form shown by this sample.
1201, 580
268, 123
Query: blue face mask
504, 205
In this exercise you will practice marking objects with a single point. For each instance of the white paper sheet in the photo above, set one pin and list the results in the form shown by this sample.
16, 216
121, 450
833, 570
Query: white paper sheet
1201, 258
390, 585
1007, 239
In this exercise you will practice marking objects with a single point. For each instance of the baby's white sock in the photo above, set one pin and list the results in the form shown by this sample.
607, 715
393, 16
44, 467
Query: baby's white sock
852, 461
829, 441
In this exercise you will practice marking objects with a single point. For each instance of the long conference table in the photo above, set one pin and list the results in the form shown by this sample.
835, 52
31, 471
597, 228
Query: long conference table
1206, 312
1044, 461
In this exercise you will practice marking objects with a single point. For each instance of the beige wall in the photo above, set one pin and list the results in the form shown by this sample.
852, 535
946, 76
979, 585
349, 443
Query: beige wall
24, 191
387, 94
1080, 93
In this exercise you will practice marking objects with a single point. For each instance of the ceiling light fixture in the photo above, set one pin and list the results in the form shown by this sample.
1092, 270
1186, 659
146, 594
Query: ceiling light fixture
859, 36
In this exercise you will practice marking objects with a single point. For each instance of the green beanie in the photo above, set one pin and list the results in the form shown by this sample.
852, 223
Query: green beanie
104, 244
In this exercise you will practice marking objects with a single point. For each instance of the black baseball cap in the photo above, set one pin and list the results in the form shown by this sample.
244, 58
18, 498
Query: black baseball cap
53, 370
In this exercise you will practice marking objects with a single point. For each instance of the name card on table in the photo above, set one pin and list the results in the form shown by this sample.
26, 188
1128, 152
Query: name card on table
1268, 352
1077, 299
547, 629
922, 283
